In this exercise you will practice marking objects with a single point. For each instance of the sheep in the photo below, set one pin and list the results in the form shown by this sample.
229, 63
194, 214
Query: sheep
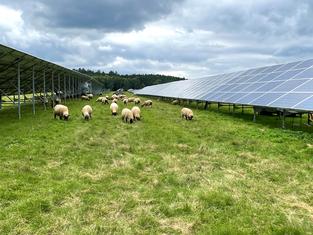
126, 113
100, 99
85, 97
61, 111
87, 112
132, 99
122, 96
114, 101
107, 96
136, 113
176, 102
147, 103
58, 101
114, 108
90, 96
105, 101
186, 113
160, 99
137, 101
125, 101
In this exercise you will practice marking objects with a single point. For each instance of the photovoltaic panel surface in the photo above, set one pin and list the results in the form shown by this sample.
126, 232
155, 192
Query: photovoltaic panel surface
287, 86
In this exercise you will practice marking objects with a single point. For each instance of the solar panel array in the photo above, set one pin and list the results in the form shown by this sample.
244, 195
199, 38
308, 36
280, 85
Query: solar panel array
288, 86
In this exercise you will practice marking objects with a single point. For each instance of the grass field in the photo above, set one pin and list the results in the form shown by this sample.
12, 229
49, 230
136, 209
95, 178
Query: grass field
216, 174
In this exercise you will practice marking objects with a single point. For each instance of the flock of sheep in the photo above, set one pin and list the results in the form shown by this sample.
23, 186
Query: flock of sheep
127, 114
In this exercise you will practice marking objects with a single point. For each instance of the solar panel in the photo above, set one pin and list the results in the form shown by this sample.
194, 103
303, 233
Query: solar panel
287, 86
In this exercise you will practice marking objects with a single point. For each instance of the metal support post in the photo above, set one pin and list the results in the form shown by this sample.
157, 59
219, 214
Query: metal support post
33, 89
234, 107
0, 101
242, 110
19, 90
254, 116
59, 89
69, 88
284, 118
65, 89
189, 103
218, 107
52, 90
206, 105
73, 89
44, 89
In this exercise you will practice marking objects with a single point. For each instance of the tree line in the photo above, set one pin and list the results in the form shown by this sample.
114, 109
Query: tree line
114, 81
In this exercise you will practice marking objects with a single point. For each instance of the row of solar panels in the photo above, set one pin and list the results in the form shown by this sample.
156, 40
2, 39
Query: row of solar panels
287, 86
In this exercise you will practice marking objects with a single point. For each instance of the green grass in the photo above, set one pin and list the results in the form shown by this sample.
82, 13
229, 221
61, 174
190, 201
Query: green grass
216, 174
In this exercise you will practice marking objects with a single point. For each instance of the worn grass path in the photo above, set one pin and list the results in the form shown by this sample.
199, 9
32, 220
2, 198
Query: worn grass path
215, 174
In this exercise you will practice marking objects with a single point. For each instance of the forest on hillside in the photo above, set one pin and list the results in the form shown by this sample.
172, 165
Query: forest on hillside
114, 81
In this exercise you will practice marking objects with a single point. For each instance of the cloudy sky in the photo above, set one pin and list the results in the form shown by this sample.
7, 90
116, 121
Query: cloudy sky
185, 38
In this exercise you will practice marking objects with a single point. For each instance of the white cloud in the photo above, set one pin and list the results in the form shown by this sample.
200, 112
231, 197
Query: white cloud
105, 48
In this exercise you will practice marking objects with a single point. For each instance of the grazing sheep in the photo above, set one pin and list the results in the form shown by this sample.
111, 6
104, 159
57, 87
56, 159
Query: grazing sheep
126, 113
125, 101
123, 96
58, 101
105, 101
61, 111
136, 113
114, 108
100, 99
86, 112
137, 101
176, 102
132, 99
147, 103
85, 97
90, 96
107, 96
186, 113
160, 99
115, 101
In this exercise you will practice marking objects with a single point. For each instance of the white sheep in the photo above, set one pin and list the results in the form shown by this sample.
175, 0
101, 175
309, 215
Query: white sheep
114, 108
58, 101
126, 113
176, 102
147, 103
136, 112
125, 101
90, 96
105, 101
115, 101
61, 111
131, 99
87, 112
107, 96
100, 99
186, 113
137, 101
85, 97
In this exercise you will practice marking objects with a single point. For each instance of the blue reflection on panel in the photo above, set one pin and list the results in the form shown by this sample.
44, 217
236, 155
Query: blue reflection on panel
290, 100
306, 74
307, 104
267, 98
253, 87
257, 78
240, 87
244, 79
220, 88
235, 97
307, 87
288, 66
230, 87
234, 80
290, 85
247, 72
273, 68
247, 99
270, 76
305, 64
225, 96
213, 96
259, 70
269, 86
289, 74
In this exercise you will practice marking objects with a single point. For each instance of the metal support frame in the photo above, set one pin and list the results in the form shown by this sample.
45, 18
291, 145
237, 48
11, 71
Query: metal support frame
19, 89
52, 90
234, 107
73, 88
218, 107
13, 101
33, 89
69, 88
254, 115
197, 103
65, 93
44, 89
284, 118
0, 101
59, 89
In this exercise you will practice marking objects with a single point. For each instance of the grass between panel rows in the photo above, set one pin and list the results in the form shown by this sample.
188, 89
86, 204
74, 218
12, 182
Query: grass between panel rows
216, 174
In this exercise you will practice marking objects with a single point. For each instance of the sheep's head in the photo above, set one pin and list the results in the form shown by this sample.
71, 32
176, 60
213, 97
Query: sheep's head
86, 116
190, 117
131, 120
114, 113
66, 117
